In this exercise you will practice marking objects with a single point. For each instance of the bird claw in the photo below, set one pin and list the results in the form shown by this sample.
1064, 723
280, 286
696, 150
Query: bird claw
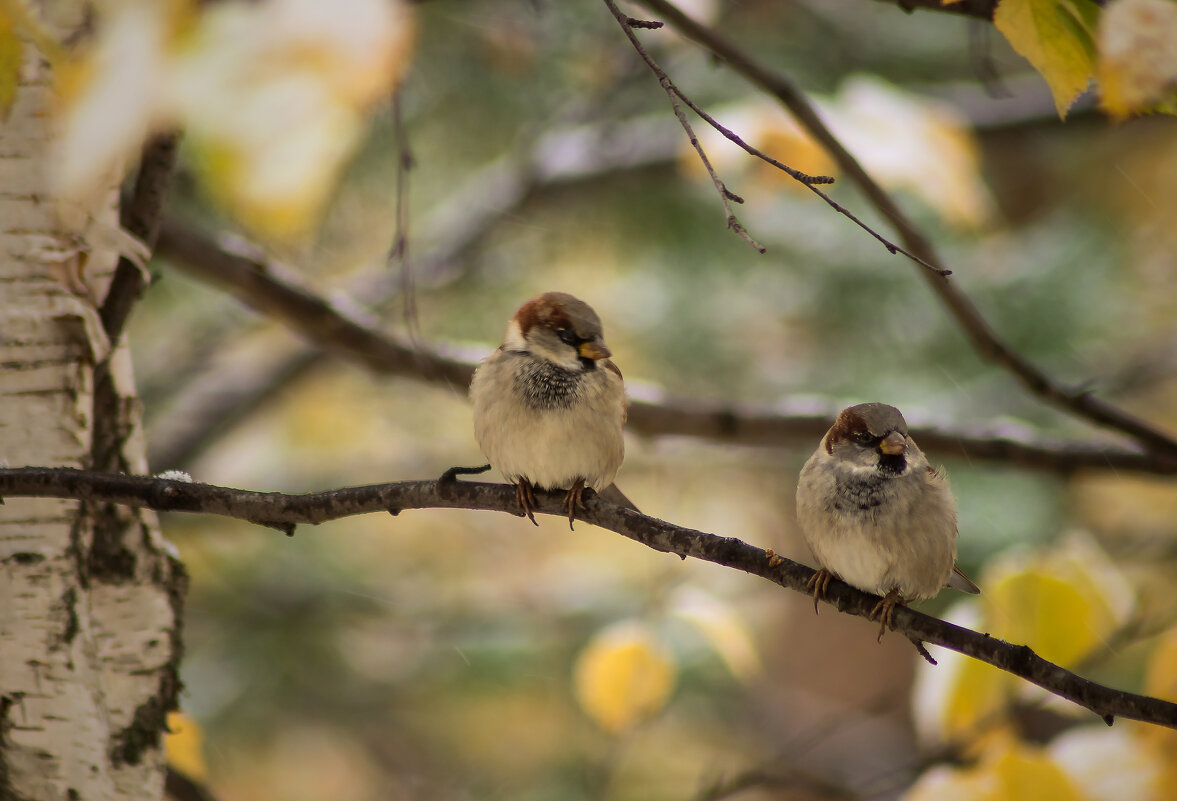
884, 612
573, 499
525, 497
819, 584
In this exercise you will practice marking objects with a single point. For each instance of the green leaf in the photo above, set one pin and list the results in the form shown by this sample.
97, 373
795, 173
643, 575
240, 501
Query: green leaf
1058, 38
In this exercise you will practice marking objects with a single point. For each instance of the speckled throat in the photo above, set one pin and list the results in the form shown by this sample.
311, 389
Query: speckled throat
545, 385
860, 492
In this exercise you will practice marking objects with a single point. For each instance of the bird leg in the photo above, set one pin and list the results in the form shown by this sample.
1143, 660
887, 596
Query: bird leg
573, 499
819, 583
525, 497
884, 611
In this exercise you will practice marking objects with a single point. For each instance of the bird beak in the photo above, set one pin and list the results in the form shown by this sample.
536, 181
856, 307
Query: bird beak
593, 350
893, 444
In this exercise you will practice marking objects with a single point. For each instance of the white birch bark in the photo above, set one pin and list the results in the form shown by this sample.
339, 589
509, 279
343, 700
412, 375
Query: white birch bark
88, 636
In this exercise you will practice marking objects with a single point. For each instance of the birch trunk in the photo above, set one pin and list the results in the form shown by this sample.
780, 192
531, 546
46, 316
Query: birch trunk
89, 596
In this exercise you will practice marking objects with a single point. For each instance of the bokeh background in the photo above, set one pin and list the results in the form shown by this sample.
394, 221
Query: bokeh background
463, 655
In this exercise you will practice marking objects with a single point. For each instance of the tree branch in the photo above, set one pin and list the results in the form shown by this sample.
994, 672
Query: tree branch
799, 425
985, 341
726, 196
809, 181
284, 512
214, 400
141, 217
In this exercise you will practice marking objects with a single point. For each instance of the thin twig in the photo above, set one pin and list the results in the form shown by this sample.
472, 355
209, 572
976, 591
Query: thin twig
809, 181
805, 178
141, 217
287, 511
331, 329
454, 228
650, 25
1078, 402
726, 196
671, 87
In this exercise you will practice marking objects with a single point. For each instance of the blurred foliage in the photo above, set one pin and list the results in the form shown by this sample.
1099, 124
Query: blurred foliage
433, 655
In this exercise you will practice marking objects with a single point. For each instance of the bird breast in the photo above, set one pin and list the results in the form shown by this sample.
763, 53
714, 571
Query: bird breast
536, 420
879, 533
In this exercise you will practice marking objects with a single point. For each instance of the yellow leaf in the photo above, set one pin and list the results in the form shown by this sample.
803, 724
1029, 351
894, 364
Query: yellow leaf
1138, 57
107, 101
11, 50
978, 701
899, 136
1009, 771
962, 700
623, 676
1026, 772
1062, 603
1057, 38
1160, 681
274, 96
184, 746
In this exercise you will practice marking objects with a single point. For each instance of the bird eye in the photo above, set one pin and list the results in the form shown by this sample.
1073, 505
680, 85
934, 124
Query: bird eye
863, 438
567, 336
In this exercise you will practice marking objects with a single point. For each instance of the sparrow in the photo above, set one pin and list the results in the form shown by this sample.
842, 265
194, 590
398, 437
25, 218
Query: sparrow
549, 404
876, 514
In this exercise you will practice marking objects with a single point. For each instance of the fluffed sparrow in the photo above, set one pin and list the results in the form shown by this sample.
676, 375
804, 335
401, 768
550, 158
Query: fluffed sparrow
549, 404
876, 514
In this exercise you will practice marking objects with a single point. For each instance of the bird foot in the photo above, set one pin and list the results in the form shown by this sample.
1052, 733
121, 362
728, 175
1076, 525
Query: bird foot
819, 584
884, 611
525, 497
573, 499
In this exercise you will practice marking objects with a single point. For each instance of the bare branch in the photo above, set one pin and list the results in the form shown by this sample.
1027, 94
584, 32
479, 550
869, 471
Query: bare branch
284, 512
725, 196
798, 425
211, 402
808, 181
141, 217
985, 341
308, 314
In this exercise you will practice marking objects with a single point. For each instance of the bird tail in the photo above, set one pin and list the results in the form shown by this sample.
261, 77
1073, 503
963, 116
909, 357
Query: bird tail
959, 581
617, 497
